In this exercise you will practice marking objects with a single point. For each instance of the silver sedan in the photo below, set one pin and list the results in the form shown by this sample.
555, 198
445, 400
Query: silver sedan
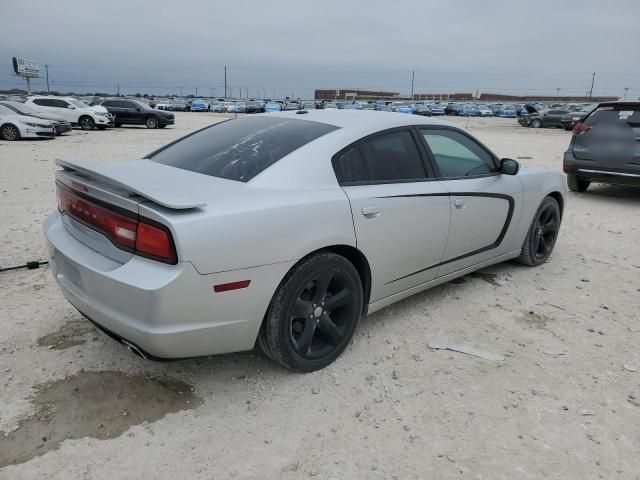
284, 229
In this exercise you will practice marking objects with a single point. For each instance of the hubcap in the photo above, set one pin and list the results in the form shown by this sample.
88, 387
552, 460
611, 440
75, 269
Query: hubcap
322, 314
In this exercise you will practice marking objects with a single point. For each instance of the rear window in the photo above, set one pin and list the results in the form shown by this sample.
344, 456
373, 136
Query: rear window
241, 148
614, 114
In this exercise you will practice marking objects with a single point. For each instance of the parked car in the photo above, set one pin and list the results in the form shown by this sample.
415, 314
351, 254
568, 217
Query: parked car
255, 106
352, 106
331, 105
162, 252
309, 105
543, 118
403, 108
134, 112
507, 111
72, 110
14, 126
482, 111
292, 106
423, 110
199, 105
467, 110
452, 109
60, 125
571, 119
604, 147
273, 107
436, 109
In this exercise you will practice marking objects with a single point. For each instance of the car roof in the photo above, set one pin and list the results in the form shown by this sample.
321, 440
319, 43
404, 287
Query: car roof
621, 104
362, 120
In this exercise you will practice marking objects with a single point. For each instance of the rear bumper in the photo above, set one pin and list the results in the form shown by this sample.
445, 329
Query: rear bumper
166, 311
594, 172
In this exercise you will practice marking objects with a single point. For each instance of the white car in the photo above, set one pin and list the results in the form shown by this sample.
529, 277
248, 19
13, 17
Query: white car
15, 127
483, 111
74, 111
285, 228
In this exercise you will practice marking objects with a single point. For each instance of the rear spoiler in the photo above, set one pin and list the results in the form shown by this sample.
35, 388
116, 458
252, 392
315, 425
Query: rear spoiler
167, 186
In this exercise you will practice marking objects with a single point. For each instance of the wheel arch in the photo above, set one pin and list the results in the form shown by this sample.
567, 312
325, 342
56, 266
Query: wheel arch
558, 197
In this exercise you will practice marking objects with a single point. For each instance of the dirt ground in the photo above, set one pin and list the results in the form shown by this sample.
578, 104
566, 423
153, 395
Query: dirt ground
564, 403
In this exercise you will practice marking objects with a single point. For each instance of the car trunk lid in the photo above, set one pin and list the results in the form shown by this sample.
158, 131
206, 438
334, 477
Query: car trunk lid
122, 188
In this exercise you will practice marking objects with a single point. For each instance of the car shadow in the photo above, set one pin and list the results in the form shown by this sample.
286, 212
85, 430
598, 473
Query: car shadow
626, 194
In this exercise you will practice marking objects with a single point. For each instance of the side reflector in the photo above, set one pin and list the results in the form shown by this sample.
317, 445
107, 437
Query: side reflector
225, 287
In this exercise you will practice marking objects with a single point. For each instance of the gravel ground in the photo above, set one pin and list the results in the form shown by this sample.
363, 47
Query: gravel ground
563, 404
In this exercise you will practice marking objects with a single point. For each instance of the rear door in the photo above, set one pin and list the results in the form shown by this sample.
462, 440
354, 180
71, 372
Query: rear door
400, 211
485, 205
132, 112
612, 140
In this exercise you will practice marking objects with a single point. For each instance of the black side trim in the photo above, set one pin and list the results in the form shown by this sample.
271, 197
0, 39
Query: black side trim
495, 244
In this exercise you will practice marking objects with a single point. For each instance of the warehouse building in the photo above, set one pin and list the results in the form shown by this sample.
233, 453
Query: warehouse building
354, 94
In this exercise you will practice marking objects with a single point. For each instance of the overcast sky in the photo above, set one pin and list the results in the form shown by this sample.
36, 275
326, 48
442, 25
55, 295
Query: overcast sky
295, 46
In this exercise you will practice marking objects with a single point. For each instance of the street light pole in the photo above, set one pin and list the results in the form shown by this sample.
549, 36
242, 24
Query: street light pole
413, 74
47, 69
225, 81
626, 90
593, 79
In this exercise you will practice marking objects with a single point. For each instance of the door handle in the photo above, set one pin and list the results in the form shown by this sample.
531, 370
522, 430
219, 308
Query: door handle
460, 203
372, 212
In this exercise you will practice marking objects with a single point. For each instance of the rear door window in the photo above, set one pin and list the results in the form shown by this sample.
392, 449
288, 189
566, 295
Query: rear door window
386, 158
241, 148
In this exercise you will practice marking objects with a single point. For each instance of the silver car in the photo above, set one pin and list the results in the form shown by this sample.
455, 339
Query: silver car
285, 229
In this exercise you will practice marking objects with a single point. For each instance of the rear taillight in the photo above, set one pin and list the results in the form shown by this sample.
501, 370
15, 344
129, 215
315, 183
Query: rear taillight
581, 128
126, 231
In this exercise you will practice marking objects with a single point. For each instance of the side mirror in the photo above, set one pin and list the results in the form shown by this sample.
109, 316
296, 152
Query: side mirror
509, 166
71, 107
138, 109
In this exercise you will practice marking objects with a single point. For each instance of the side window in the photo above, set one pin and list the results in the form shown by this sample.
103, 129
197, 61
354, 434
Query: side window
350, 167
393, 156
130, 105
60, 104
43, 102
109, 103
457, 155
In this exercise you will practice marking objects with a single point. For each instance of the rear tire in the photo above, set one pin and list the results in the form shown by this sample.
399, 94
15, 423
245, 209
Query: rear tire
542, 234
577, 185
313, 314
9, 132
86, 123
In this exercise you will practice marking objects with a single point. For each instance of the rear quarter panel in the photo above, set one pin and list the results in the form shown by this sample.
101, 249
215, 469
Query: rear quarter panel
536, 185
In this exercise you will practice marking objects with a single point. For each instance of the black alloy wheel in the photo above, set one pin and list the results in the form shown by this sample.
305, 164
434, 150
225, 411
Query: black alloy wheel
542, 234
314, 313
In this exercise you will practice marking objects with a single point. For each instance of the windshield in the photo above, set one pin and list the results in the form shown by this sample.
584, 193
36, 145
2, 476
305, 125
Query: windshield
78, 103
241, 148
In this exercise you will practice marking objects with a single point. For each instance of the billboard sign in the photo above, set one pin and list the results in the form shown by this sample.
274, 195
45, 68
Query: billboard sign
25, 68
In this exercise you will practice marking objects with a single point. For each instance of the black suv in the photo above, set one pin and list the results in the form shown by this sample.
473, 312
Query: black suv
605, 147
134, 112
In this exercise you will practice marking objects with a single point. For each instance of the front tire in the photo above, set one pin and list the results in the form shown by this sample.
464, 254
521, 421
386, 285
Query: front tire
542, 234
536, 123
577, 185
86, 123
9, 132
313, 314
151, 122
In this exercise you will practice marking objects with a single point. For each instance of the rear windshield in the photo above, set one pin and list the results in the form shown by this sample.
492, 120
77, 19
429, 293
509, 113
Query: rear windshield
241, 148
617, 113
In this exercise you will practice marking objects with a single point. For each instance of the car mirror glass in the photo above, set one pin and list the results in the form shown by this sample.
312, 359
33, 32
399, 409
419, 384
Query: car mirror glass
509, 166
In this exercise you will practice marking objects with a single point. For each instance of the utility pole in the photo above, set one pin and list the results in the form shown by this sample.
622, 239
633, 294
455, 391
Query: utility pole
626, 90
225, 81
593, 79
46, 67
413, 74
118, 89
196, 91
181, 91
557, 91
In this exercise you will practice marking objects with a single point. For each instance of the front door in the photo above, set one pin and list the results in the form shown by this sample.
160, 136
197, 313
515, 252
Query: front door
485, 204
401, 214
